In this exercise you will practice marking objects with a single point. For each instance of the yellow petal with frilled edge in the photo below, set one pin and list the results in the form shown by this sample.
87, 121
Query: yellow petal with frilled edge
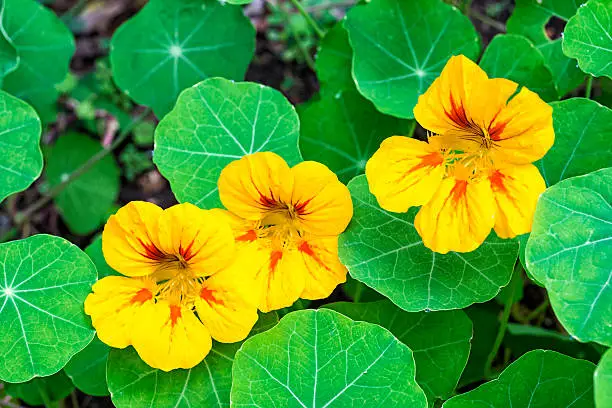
203, 241
113, 307
252, 186
323, 267
462, 100
321, 203
516, 190
227, 304
459, 217
127, 239
524, 130
169, 336
404, 172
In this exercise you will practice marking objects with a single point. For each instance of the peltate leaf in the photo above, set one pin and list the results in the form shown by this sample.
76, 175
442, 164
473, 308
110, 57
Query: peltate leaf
570, 252
440, 341
21, 160
321, 358
400, 47
171, 45
334, 59
603, 381
44, 283
218, 121
87, 369
383, 250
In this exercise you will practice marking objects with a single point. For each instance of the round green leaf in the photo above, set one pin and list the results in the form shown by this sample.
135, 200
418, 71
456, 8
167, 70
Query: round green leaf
529, 18
218, 121
360, 292
87, 369
334, 59
171, 45
85, 202
344, 130
320, 358
384, 251
44, 48
603, 381
400, 47
538, 379
485, 320
44, 284
513, 57
582, 140
8, 56
94, 251
570, 252
440, 341
55, 388
21, 160
133, 384
587, 37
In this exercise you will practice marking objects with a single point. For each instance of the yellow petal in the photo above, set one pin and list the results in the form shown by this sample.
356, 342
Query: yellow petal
251, 186
404, 172
113, 307
321, 202
324, 271
127, 239
524, 129
169, 336
227, 305
203, 241
459, 216
516, 190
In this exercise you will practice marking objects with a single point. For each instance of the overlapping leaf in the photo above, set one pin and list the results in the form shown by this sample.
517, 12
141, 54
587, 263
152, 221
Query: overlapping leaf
169, 46
603, 381
537, 379
21, 160
529, 18
334, 60
514, 57
322, 359
87, 369
400, 47
218, 121
569, 251
40, 391
383, 250
43, 285
44, 47
440, 341
588, 37
86, 202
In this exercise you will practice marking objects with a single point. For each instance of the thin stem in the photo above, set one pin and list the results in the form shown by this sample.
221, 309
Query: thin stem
25, 215
589, 87
516, 280
45, 397
300, 44
538, 311
74, 399
466, 7
318, 31
8, 235
487, 20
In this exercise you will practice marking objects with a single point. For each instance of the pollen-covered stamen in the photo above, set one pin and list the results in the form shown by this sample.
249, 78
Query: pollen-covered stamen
181, 288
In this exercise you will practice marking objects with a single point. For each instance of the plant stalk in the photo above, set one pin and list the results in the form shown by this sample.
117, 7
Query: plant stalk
25, 215
589, 87
318, 31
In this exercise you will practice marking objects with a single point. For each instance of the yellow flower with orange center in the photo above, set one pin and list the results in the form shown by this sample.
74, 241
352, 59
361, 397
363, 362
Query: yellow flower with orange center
474, 173
180, 287
286, 222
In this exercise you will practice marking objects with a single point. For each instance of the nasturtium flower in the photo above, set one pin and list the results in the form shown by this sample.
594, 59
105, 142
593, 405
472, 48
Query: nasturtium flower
474, 172
286, 223
181, 285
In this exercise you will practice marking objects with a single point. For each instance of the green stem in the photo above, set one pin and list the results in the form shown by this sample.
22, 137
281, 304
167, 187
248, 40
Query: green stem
589, 87
466, 7
25, 215
516, 280
318, 31
74, 399
487, 20
538, 311
8, 235
45, 397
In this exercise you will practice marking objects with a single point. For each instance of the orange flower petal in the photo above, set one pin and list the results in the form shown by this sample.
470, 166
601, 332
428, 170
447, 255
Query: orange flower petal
324, 271
516, 190
404, 172
459, 217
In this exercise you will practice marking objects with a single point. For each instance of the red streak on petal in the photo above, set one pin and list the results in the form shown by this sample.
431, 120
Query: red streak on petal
497, 182
175, 314
186, 252
152, 252
300, 208
307, 249
458, 190
268, 202
497, 130
249, 236
209, 296
458, 115
432, 159
275, 257
142, 296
